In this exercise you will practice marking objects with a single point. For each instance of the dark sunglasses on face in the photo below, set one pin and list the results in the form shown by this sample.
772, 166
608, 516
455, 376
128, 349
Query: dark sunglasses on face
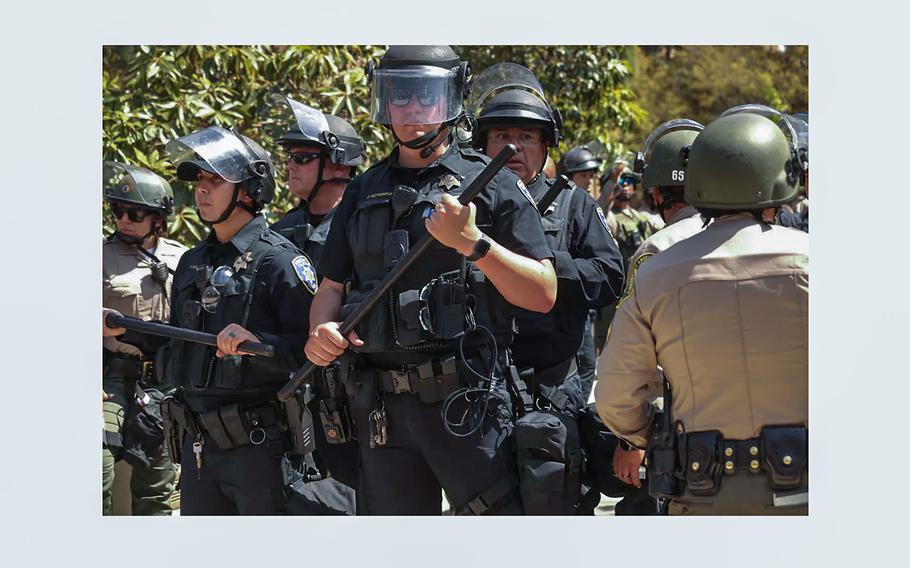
302, 158
626, 181
133, 214
401, 96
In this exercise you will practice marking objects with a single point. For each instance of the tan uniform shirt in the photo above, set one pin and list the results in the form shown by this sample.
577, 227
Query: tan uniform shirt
685, 223
725, 314
126, 279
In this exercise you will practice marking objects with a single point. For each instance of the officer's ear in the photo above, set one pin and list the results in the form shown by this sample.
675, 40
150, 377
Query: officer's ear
245, 198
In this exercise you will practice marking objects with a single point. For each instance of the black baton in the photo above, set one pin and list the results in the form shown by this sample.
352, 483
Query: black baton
164, 330
550, 196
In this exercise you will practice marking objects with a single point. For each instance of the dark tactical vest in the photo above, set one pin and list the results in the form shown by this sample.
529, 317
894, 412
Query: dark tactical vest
195, 367
425, 311
547, 339
297, 227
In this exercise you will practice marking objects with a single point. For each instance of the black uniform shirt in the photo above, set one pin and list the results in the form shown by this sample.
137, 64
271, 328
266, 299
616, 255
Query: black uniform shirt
306, 230
505, 212
589, 273
278, 312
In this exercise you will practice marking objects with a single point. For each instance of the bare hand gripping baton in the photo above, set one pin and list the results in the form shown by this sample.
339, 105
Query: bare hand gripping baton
302, 374
193, 336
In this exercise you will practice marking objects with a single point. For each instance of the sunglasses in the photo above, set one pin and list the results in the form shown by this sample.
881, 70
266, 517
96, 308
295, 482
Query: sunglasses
303, 158
401, 96
626, 181
133, 214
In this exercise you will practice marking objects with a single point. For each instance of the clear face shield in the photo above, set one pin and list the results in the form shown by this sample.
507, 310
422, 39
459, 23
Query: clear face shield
213, 149
419, 94
285, 115
500, 78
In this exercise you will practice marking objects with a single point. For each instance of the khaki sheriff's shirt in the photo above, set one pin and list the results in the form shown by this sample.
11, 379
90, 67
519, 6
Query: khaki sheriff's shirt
127, 284
685, 223
725, 314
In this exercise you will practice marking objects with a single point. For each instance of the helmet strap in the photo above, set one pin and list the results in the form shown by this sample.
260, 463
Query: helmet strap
227, 211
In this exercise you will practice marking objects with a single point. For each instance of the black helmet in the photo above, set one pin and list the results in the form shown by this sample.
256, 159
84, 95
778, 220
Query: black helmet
337, 138
229, 154
432, 74
124, 183
507, 94
579, 159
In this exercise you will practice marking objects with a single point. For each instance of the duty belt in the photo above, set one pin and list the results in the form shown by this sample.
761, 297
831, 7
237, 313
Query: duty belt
779, 451
231, 426
411, 378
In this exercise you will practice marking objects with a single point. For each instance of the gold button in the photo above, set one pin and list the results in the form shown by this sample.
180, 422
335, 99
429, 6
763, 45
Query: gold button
788, 460
753, 450
728, 452
753, 464
695, 466
729, 465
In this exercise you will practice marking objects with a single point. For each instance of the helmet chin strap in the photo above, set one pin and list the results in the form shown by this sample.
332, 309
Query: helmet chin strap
424, 142
227, 212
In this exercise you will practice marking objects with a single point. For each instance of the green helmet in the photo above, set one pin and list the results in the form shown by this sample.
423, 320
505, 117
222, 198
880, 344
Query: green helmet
741, 162
124, 183
658, 161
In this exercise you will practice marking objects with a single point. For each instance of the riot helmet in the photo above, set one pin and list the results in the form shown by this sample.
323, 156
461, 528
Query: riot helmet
230, 155
125, 183
581, 158
659, 164
429, 80
509, 95
132, 185
335, 137
741, 161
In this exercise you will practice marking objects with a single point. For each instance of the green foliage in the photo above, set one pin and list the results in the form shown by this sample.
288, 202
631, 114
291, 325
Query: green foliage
154, 94
699, 82
590, 85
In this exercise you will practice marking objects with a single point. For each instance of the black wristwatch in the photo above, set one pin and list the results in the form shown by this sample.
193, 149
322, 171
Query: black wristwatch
626, 445
481, 248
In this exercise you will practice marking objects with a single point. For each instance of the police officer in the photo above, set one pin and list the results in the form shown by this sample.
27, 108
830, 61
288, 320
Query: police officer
557, 347
628, 225
243, 282
663, 175
580, 165
723, 312
323, 151
137, 263
428, 388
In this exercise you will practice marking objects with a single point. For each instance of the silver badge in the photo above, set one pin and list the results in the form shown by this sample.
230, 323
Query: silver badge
243, 261
449, 181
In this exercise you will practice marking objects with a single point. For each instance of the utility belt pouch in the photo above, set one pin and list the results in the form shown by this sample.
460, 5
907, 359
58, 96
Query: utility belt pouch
548, 453
229, 372
226, 426
662, 463
160, 375
434, 312
703, 468
172, 414
190, 314
437, 380
785, 455
300, 425
336, 421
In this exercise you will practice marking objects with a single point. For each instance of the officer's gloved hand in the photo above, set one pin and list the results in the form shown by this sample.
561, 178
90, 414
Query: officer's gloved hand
326, 343
452, 224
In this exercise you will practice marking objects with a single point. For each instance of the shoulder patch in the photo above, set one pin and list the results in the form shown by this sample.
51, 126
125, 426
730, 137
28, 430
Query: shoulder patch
524, 191
603, 218
305, 272
630, 284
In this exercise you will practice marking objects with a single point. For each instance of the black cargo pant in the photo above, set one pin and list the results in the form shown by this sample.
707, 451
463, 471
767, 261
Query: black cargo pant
406, 476
246, 480
587, 359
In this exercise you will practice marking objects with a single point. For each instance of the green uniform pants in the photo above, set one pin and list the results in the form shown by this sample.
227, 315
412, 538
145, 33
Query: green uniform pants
151, 486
